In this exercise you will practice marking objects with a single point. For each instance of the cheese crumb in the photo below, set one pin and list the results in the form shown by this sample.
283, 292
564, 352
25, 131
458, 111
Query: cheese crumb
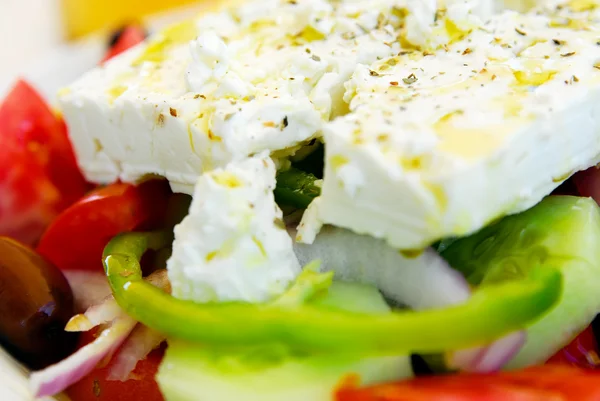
233, 245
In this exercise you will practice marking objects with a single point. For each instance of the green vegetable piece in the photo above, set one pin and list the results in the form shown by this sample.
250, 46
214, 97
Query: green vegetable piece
296, 188
352, 297
192, 372
492, 312
561, 231
308, 284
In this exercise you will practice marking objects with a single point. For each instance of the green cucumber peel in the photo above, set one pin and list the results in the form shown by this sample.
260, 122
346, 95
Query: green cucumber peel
560, 232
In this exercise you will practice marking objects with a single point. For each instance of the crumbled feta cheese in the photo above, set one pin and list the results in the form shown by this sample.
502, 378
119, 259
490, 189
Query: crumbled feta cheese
233, 245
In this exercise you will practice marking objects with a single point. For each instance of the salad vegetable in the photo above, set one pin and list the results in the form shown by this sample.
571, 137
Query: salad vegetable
96, 386
38, 173
76, 238
419, 281
544, 383
273, 372
560, 231
583, 351
312, 328
90, 307
118, 329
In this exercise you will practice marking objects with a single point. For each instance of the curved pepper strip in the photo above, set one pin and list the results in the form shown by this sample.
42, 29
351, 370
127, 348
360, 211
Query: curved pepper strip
492, 312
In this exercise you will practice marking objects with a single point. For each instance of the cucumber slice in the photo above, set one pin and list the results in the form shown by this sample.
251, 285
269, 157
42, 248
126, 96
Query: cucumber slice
562, 232
192, 372
353, 297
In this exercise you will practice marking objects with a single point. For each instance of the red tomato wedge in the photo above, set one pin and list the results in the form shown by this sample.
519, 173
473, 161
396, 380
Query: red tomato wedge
76, 239
39, 176
131, 36
142, 387
543, 383
583, 351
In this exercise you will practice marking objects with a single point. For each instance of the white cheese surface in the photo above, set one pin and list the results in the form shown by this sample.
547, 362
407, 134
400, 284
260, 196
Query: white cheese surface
436, 119
233, 245
441, 144
263, 76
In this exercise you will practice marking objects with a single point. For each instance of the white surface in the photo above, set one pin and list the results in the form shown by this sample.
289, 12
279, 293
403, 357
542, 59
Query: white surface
233, 245
28, 28
473, 138
33, 46
127, 120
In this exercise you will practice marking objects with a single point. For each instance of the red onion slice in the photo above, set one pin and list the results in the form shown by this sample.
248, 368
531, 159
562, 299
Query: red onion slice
96, 315
59, 377
89, 288
140, 343
421, 281
491, 358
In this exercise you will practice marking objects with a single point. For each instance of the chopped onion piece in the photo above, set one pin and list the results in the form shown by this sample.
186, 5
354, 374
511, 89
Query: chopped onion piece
89, 288
491, 358
140, 343
60, 376
96, 315
419, 281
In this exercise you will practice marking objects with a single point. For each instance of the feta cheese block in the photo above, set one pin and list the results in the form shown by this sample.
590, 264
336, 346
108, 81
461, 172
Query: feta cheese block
263, 76
441, 143
233, 245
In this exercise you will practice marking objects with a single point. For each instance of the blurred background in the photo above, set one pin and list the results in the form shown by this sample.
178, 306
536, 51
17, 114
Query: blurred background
51, 41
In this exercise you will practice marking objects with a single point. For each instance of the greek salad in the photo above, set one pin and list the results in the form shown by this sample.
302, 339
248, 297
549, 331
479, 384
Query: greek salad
313, 200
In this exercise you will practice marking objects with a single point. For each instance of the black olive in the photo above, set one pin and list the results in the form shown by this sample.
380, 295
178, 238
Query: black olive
36, 303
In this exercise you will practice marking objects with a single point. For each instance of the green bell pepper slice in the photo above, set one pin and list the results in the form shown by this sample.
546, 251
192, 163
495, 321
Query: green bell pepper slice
490, 313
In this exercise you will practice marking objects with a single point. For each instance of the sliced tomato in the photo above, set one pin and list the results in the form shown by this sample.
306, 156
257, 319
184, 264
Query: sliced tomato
129, 37
545, 383
28, 199
583, 351
141, 387
39, 176
76, 239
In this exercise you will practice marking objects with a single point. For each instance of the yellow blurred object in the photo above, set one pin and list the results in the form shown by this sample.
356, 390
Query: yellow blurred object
85, 16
